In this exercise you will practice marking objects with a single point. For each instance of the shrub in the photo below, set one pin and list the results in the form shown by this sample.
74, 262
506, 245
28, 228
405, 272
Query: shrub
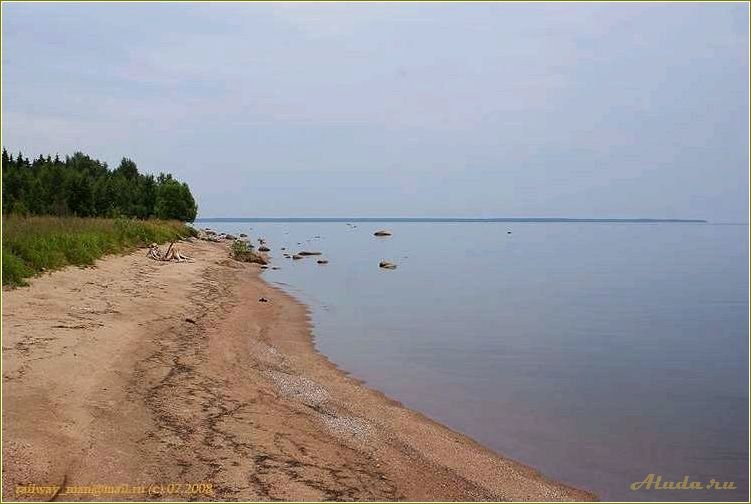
241, 251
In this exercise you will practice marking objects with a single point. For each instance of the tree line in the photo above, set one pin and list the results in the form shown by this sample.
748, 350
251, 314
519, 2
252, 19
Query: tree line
85, 187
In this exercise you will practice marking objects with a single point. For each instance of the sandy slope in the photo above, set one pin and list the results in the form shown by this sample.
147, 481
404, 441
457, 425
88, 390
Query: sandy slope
105, 382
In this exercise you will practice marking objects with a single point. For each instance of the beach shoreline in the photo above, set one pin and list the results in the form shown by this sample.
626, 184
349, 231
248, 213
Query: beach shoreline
147, 374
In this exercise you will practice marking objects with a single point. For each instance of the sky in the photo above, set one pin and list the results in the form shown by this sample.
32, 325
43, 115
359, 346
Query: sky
396, 109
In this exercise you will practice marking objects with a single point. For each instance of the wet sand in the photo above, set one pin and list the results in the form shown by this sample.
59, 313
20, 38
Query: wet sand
171, 381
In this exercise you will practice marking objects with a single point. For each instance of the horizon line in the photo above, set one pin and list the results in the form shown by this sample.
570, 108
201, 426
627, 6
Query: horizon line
446, 219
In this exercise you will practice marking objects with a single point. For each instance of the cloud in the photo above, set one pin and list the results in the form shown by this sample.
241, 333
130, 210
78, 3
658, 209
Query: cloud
492, 97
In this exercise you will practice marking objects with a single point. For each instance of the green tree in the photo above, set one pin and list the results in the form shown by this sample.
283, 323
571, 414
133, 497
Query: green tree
85, 186
127, 169
174, 201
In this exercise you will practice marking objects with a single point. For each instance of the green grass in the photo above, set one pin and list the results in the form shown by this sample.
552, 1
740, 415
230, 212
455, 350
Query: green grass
242, 251
35, 244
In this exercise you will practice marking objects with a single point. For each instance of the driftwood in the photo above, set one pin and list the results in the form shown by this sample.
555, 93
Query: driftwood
172, 253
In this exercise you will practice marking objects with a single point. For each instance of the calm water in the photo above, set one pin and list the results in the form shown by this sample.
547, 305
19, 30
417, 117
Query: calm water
595, 352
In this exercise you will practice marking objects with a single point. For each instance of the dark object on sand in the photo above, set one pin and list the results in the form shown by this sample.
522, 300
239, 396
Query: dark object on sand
386, 265
322, 261
263, 300
382, 232
190, 320
307, 253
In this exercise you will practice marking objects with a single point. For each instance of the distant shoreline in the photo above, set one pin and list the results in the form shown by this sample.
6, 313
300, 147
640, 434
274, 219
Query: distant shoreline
440, 219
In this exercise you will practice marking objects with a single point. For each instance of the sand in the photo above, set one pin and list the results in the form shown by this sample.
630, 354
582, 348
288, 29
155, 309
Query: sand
142, 380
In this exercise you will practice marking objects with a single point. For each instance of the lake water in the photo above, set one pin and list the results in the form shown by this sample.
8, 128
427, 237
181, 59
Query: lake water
595, 352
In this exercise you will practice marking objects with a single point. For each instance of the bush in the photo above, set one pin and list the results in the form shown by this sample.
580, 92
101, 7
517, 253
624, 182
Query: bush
241, 251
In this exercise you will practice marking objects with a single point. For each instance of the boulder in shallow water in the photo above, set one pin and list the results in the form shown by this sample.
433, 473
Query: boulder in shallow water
322, 261
382, 232
297, 256
243, 235
263, 248
308, 253
386, 265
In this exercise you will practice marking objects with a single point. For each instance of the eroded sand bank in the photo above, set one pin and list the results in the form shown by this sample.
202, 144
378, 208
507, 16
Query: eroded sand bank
106, 382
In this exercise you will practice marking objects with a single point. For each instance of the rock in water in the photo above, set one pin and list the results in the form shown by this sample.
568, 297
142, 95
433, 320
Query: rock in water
297, 256
263, 248
387, 265
382, 232
307, 253
322, 261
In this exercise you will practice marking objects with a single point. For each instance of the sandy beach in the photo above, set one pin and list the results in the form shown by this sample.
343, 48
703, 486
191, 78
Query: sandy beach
172, 381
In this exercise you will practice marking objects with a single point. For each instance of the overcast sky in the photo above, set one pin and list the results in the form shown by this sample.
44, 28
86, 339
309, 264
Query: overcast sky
578, 110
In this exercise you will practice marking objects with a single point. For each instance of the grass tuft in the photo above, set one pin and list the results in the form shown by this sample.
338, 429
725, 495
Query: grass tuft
241, 251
